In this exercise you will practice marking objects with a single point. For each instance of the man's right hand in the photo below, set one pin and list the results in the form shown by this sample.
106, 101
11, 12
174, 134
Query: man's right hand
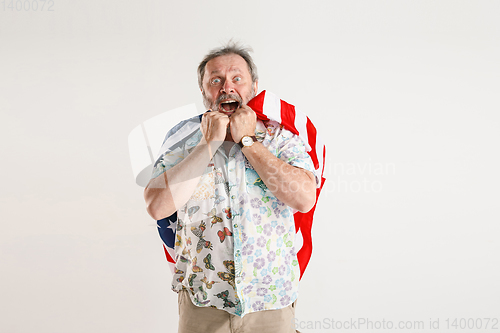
214, 126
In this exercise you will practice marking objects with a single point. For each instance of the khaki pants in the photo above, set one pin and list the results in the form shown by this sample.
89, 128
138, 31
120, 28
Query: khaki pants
194, 319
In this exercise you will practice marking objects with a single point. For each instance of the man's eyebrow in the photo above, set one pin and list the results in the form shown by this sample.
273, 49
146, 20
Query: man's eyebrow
235, 69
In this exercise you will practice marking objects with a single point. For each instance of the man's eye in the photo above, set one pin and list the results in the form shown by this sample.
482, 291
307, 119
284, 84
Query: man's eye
215, 81
237, 78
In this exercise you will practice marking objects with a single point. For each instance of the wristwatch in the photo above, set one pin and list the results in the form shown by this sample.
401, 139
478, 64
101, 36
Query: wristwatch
247, 141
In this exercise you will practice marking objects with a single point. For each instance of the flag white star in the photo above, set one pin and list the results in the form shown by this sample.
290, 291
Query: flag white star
173, 226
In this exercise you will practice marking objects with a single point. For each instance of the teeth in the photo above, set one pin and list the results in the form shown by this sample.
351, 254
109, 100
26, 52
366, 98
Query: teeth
229, 101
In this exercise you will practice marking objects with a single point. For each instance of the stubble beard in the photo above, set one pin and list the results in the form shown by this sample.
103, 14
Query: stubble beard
214, 106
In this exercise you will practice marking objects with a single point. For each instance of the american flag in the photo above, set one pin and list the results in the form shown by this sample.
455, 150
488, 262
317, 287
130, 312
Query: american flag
268, 106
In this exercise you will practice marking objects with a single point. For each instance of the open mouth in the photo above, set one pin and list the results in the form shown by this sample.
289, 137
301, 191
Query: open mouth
229, 105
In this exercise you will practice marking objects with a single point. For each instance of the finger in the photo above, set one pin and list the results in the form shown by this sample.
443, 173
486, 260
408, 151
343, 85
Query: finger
211, 116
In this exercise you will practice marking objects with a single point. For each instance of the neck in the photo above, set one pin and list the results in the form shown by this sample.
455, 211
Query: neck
228, 136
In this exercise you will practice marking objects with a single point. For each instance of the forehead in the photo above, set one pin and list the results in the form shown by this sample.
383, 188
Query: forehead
226, 63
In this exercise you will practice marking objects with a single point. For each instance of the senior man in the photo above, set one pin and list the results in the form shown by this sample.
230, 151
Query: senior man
230, 184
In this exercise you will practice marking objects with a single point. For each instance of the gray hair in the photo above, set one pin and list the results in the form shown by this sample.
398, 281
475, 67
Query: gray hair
230, 48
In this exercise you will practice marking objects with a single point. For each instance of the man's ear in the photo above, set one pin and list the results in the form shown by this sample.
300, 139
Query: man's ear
256, 87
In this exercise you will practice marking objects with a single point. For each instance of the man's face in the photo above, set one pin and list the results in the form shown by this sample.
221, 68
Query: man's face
227, 84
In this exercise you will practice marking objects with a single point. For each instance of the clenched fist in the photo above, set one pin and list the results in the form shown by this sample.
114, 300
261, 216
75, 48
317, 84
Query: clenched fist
214, 127
242, 122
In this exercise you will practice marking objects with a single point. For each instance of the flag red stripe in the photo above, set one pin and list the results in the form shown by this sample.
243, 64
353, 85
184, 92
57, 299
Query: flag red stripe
288, 117
311, 135
169, 258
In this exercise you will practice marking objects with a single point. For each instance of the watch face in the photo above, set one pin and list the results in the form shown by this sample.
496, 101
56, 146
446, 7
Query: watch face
247, 141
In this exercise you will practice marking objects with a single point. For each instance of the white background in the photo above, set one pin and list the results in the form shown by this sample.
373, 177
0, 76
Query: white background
404, 93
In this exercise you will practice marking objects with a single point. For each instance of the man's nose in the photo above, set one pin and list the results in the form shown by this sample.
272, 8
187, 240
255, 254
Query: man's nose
228, 87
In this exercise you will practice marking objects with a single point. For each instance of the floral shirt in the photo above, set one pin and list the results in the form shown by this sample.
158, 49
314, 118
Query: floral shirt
234, 239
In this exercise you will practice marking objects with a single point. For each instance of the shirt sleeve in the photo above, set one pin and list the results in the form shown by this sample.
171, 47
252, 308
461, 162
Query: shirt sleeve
178, 150
292, 150
167, 161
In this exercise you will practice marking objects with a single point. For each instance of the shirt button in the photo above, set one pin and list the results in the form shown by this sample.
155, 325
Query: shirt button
236, 226
238, 281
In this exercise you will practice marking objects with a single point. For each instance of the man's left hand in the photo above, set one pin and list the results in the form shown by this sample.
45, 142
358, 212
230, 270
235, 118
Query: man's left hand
242, 122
